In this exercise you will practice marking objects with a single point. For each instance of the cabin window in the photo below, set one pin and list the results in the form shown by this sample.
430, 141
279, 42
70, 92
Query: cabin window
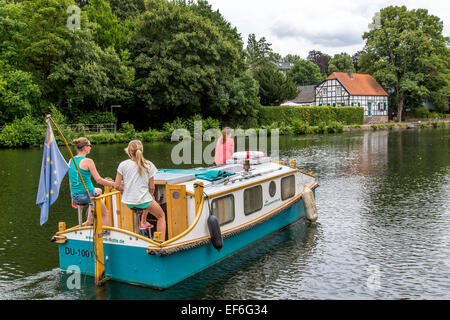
223, 209
287, 187
272, 188
252, 200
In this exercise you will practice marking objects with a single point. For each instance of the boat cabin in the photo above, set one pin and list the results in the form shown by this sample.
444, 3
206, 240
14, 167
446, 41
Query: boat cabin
233, 195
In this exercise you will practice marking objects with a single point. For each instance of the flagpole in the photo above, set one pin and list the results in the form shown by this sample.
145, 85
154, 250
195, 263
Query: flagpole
71, 154
98, 228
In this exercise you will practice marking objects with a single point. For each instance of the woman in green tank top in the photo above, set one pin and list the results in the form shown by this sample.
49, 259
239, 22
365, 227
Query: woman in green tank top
88, 170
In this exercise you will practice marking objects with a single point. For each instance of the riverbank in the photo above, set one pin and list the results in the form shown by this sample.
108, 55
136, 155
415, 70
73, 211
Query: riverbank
24, 134
440, 123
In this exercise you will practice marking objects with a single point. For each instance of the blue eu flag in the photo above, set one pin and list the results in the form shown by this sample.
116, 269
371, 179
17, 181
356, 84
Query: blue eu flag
53, 170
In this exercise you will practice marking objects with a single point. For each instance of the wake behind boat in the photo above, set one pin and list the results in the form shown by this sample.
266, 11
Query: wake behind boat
211, 213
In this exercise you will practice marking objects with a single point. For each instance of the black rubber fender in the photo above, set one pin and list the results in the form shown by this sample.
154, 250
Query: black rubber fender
214, 232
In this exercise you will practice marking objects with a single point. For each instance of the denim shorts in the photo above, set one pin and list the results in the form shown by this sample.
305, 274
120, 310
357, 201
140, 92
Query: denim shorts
82, 197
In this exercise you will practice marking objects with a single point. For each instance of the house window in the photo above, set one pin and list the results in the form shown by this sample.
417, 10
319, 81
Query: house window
287, 187
252, 200
223, 209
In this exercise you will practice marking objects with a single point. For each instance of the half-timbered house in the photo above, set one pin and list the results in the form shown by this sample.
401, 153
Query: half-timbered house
354, 89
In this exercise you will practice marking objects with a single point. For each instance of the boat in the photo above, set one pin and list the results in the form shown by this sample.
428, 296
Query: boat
211, 213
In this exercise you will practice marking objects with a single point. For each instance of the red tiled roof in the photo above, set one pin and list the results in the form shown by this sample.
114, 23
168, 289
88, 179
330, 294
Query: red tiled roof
359, 84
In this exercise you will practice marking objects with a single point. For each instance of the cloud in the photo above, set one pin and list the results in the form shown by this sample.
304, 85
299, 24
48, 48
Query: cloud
298, 26
330, 35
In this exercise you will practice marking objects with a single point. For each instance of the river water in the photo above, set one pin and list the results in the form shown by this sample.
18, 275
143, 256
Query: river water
383, 230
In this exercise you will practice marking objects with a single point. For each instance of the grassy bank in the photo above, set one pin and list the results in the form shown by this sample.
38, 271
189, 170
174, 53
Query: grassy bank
25, 132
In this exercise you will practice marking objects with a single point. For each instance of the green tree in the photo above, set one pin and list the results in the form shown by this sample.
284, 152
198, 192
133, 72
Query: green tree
18, 93
406, 51
90, 78
320, 59
13, 33
127, 9
184, 62
341, 62
46, 35
292, 58
274, 87
305, 73
108, 31
258, 52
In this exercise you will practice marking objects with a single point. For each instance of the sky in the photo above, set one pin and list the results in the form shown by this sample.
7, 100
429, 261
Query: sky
330, 26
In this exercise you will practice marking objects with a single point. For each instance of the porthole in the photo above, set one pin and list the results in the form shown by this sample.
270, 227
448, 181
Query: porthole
272, 188
176, 195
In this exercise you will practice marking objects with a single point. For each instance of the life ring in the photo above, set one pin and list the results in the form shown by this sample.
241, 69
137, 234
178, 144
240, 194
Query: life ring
241, 155
310, 205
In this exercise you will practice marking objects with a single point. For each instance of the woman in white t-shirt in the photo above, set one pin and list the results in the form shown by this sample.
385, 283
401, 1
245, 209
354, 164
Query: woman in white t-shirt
137, 174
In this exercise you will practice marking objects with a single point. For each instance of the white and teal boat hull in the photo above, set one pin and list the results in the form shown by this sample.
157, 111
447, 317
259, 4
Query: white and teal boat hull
131, 258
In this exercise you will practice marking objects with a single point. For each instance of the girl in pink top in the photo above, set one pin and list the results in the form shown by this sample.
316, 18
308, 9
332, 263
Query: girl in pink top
224, 150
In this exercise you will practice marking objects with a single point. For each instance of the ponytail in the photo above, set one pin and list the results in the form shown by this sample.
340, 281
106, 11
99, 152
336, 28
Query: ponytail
135, 149
141, 162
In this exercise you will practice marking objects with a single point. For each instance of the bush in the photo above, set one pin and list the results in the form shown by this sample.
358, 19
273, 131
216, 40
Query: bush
312, 115
422, 112
299, 126
128, 130
434, 115
169, 127
96, 117
23, 132
335, 127
322, 127
390, 126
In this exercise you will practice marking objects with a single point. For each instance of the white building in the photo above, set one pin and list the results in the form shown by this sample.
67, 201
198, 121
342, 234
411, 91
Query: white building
353, 89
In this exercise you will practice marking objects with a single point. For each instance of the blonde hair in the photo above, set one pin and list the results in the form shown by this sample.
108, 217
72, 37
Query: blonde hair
136, 150
80, 143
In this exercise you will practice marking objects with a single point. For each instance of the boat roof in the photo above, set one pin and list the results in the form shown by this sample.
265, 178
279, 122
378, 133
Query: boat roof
223, 177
